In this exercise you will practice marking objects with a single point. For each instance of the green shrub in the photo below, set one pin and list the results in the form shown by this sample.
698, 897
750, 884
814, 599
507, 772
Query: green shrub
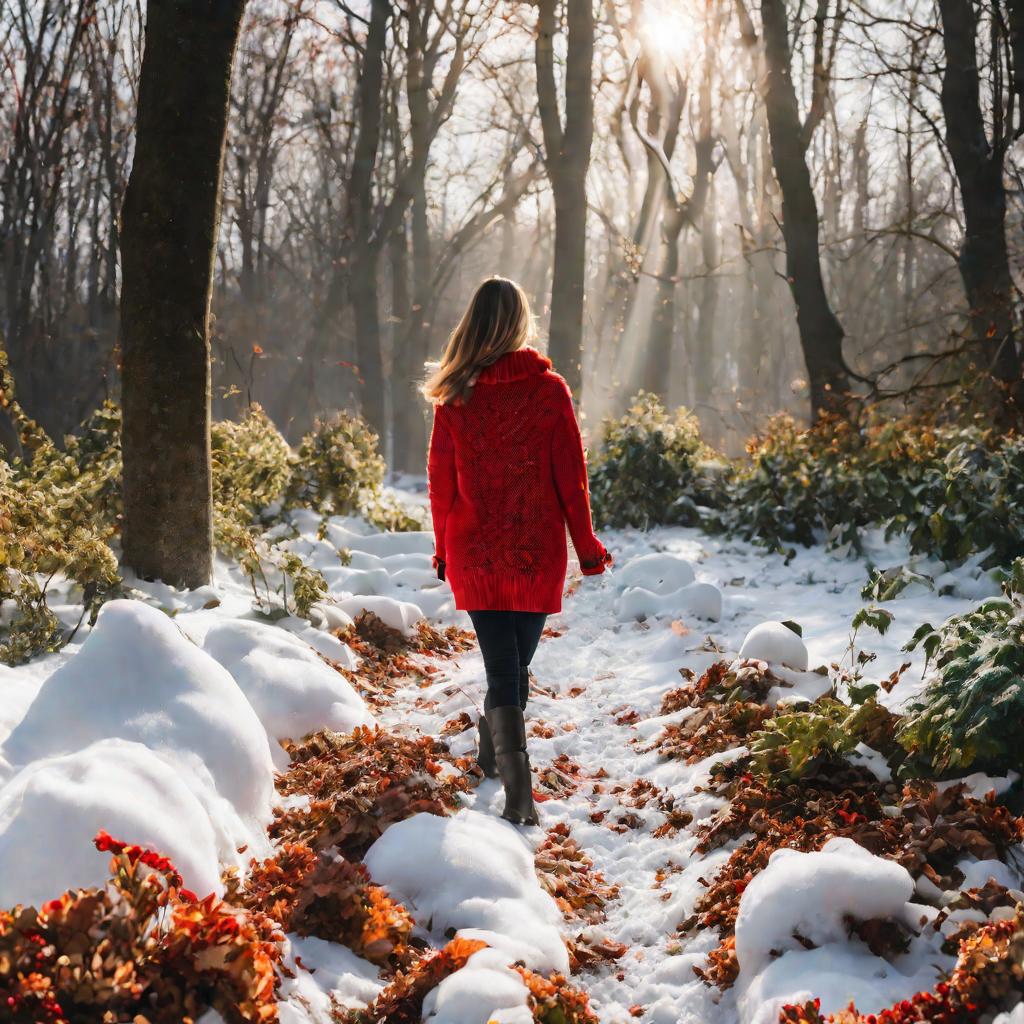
58, 510
387, 512
250, 462
954, 490
652, 468
794, 742
337, 469
969, 715
970, 500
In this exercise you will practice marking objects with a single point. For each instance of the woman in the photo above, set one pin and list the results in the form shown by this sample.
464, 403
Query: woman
506, 474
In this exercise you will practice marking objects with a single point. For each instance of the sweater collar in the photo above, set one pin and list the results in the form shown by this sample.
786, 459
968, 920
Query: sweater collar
523, 362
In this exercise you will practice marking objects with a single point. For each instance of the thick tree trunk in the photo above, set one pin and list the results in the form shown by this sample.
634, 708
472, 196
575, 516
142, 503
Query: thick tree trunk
168, 242
821, 334
984, 262
565, 344
567, 157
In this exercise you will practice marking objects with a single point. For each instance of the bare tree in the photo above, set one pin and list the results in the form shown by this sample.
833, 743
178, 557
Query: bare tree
979, 162
168, 242
567, 157
680, 211
821, 334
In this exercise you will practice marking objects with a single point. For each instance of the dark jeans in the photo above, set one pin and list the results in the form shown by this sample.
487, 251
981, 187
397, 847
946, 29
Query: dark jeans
507, 642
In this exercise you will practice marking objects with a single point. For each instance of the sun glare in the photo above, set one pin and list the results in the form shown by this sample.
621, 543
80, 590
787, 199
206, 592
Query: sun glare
668, 30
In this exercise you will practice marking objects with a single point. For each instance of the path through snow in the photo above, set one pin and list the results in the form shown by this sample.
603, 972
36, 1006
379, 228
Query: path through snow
600, 678
597, 668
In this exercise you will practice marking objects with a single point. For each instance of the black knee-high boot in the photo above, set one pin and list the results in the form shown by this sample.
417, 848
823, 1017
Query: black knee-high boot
485, 749
508, 728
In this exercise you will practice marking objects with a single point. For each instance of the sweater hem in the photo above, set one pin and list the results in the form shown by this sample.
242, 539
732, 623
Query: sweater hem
509, 593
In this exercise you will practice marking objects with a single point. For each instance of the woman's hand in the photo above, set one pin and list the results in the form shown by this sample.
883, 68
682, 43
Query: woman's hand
439, 567
596, 566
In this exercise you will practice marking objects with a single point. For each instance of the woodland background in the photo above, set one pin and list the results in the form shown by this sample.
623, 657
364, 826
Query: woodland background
382, 157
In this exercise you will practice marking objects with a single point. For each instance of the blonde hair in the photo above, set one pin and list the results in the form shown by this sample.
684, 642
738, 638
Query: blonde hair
497, 321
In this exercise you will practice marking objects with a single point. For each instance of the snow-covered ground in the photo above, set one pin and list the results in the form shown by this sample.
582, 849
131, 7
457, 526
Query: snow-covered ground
161, 727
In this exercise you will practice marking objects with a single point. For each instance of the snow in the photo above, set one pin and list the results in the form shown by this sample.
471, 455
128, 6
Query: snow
775, 643
51, 810
401, 615
659, 573
459, 1000
703, 600
384, 544
472, 873
137, 677
159, 726
293, 691
811, 895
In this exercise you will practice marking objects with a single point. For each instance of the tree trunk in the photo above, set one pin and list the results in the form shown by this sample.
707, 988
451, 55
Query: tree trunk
365, 247
704, 362
984, 263
657, 367
168, 242
821, 334
565, 343
567, 157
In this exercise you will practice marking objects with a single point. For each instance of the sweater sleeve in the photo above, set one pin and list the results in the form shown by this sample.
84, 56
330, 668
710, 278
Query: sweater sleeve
570, 471
441, 482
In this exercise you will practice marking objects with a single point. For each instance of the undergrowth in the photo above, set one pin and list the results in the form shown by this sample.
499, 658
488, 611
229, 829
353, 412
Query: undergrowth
60, 512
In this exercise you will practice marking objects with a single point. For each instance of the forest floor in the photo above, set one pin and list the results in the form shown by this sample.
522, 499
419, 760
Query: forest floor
595, 718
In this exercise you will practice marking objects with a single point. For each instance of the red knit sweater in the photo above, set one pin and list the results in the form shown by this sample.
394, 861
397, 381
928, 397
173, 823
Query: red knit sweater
506, 475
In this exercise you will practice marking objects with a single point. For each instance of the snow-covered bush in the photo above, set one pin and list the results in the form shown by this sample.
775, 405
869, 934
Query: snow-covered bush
777, 643
292, 690
970, 712
138, 682
474, 875
987, 978
652, 468
794, 925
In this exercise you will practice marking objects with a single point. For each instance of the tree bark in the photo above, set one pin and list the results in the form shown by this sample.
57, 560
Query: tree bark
365, 244
567, 158
984, 262
821, 334
170, 221
657, 368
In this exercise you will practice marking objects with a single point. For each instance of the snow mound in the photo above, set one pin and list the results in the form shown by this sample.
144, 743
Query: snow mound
51, 810
364, 581
472, 873
329, 616
703, 600
137, 677
777, 644
658, 573
810, 895
411, 542
484, 987
402, 615
292, 691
